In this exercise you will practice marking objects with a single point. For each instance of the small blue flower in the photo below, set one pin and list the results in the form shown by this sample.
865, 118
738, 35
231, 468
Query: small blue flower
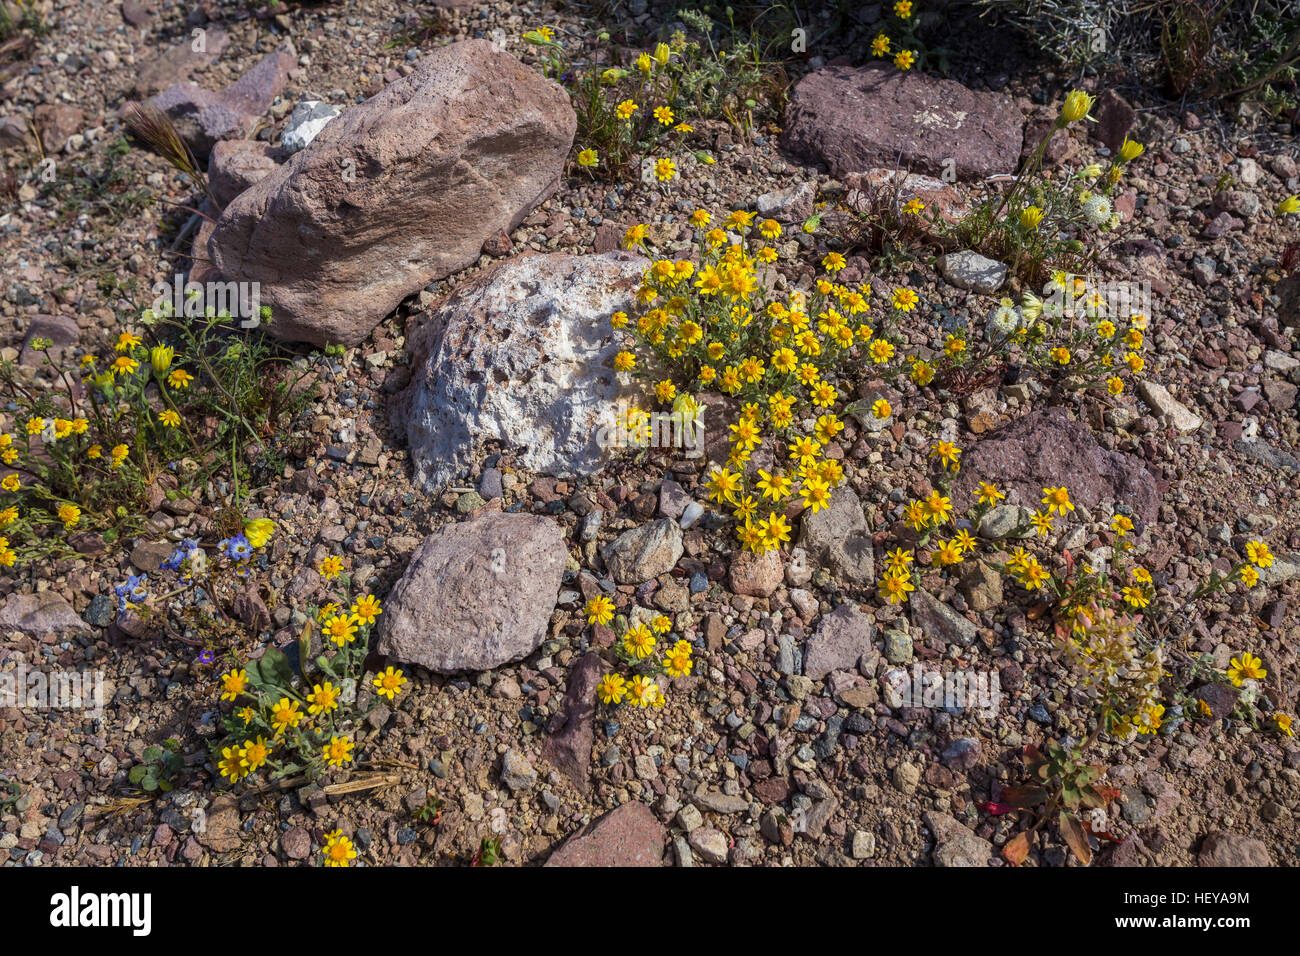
135, 591
237, 548
206, 657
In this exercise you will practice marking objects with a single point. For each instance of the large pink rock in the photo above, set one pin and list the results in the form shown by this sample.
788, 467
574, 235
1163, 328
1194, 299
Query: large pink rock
628, 835
854, 119
398, 191
476, 595
1046, 448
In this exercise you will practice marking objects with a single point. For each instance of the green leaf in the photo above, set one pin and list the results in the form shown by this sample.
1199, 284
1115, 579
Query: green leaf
149, 783
152, 754
136, 774
272, 670
1070, 797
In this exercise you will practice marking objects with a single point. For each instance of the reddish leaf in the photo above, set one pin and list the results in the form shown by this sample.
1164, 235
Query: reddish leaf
995, 809
1016, 849
1073, 833
1108, 794
1022, 798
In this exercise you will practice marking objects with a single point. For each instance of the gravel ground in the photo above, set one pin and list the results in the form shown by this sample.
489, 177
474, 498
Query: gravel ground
743, 735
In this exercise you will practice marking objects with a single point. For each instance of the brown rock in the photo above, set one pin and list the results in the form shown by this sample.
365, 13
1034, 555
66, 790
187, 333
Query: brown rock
572, 728
397, 192
14, 132
54, 123
251, 609
1114, 119
609, 237
841, 639
179, 63
477, 594
238, 164
853, 119
135, 14
39, 615
866, 189
221, 830
1221, 848
629, 835
202, 117
757, 575
1045, 448
60, 331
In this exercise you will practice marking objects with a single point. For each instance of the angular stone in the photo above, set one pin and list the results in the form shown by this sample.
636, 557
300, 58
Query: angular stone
39, 615
962, 754
1267, 454
725, 803
1115, 118
757, 575
973, 272
516, 772
644, 552
981, 585
629, 835
793, 204
476, 595
839, 642
853, 119
521, 356
864, 189
180, 62
710, 843
1221, 848
938, 620
61, 332
1004, 521
573, 727
955, 845
838, 537
202, 117
1219, 697
1166, 406
304, 124
55, 123
398, 191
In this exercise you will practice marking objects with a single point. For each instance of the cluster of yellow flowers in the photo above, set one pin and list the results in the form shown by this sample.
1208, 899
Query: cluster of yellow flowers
303, 722
1121, 664
1074, 325
69, 443
882, 46
718, 327
635, 126
637, 647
